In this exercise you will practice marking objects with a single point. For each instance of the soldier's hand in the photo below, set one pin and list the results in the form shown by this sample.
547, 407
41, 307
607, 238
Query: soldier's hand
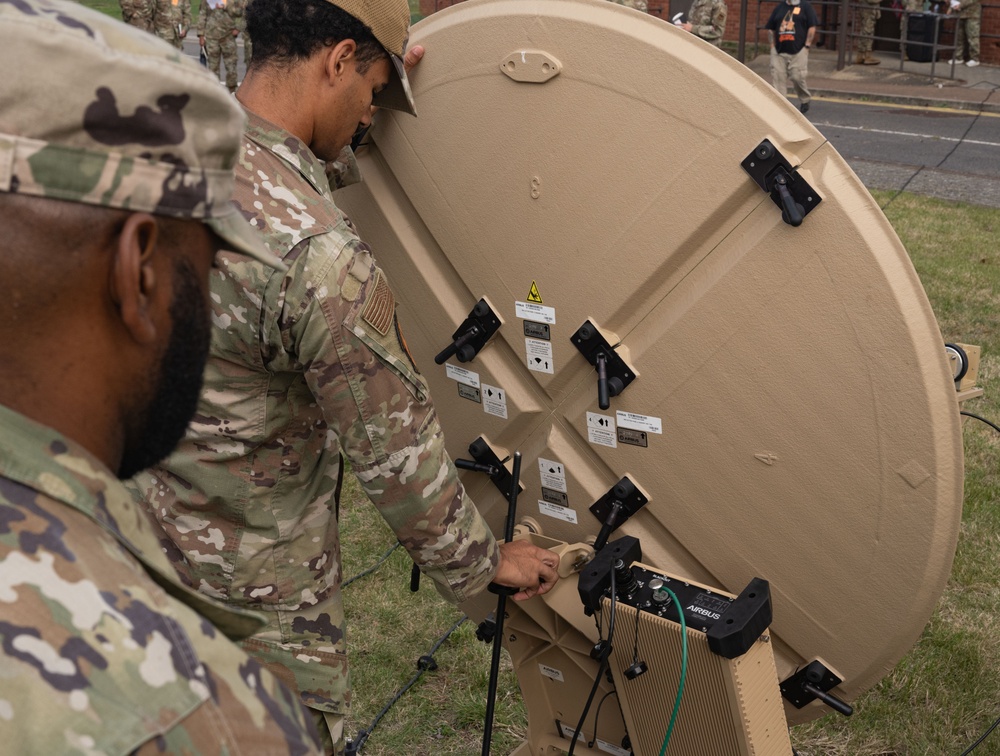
528, 567
201, 40
236, 32
412, 57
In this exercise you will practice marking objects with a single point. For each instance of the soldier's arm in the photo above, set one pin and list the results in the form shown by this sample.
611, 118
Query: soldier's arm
717, 28
202, 20
378, 407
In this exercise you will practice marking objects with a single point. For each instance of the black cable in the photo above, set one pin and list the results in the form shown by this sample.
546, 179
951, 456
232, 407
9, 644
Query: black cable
635, 649
994, 426
951, 152
597, 715
605, 653
424, 663
982, 737
371, 569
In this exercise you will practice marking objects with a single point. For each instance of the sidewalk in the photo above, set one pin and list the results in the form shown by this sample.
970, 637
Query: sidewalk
971, 89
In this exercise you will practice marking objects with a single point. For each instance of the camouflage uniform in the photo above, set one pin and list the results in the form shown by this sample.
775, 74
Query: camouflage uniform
105, 650
913, 6
138, 13
708, 20
218, 26
307, 368
968, 27
868, 14
170, 19
639, 5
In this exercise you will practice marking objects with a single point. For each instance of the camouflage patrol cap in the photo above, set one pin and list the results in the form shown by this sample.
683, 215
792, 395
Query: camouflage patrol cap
94, 111
389, 21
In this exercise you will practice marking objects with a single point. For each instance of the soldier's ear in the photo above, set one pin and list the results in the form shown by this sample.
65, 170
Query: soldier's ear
134, 283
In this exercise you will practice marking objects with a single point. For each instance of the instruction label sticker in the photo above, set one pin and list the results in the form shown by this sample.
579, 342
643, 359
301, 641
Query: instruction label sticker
612, 748
555, 497
601, 430
553, 474
462, 375
470, 393
632, 437
639, 422
533, 311
539, 355
554, 510
551, 672
494, 401
537, 330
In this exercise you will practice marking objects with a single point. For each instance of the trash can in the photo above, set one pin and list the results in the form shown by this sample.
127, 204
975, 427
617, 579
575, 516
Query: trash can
920, 28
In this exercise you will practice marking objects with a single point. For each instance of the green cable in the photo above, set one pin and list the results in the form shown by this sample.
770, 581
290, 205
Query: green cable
684, 665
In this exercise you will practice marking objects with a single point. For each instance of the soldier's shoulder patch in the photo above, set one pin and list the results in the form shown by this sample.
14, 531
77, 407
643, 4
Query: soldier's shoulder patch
380, 305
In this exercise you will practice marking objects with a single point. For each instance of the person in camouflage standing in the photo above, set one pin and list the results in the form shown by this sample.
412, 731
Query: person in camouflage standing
909, 7
308, 368
217, 32
239, 13
116, 170
138, 13
707, 19
967, 27
868, 14
171, 20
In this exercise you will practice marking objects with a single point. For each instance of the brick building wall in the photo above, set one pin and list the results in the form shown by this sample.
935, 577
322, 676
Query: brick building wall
828, 12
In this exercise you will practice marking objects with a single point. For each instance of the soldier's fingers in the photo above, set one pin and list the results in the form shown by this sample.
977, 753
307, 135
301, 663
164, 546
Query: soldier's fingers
412, 57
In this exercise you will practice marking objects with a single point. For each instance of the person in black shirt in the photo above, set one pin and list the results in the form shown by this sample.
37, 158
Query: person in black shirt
790, 31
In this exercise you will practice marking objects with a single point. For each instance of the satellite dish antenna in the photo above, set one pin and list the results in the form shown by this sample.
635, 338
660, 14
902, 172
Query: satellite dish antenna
643, 263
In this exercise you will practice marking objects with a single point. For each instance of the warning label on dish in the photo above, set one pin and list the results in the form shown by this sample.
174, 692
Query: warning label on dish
539, 355
552, 473
494, 401
554, 510
462, 375
639, 422
533, 311
601, 430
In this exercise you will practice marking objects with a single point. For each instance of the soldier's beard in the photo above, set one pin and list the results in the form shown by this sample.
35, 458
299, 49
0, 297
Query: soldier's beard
155, 430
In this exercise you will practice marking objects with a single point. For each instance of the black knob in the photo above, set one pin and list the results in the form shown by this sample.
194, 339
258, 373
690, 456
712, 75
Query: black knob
764, 151
623, 489
792, 212
603, 389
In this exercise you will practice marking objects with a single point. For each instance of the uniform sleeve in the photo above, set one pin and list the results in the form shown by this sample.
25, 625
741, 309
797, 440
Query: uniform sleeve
717, 28
186, 14
202, 18
347, 336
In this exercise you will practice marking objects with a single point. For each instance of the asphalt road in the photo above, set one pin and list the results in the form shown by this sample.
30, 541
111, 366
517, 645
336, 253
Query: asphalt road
949, 154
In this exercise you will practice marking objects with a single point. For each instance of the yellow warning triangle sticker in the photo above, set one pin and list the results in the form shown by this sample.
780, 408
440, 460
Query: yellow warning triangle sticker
533, 295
